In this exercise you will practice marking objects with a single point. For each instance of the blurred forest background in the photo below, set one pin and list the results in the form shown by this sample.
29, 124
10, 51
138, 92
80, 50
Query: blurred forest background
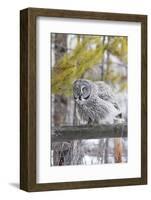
97, 58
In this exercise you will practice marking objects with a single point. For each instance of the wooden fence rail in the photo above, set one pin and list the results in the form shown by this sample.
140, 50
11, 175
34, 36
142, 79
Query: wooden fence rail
83, 132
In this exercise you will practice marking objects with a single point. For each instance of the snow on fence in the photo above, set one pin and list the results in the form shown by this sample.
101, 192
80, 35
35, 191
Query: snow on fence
68, 133
67, 146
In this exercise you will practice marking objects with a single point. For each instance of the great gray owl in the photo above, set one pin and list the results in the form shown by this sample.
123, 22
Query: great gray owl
95, 101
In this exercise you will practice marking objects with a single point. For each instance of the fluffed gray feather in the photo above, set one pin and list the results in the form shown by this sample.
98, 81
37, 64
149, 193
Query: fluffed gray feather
95, 101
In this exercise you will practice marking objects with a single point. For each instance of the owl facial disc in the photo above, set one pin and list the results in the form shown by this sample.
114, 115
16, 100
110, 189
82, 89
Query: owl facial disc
81, 89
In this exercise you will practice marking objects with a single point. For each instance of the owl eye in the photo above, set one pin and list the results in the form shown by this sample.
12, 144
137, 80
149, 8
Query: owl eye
84, 90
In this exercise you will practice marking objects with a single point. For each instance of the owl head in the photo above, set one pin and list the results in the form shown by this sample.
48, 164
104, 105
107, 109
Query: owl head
81, 90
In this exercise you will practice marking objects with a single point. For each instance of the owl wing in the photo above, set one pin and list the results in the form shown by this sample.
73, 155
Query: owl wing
105, 93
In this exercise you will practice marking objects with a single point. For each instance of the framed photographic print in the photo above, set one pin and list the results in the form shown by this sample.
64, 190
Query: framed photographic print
83, 99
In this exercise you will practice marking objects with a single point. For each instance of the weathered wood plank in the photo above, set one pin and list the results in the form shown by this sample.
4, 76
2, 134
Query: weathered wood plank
64, 133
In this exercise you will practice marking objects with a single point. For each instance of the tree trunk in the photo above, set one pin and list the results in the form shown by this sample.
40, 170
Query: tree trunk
61, 156
60, 102
118, 149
